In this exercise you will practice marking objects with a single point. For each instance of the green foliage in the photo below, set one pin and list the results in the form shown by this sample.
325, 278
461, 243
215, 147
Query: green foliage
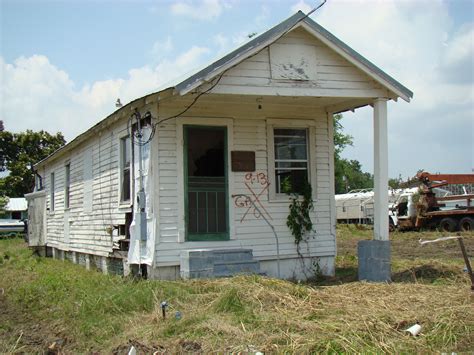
44, 300
299, 220
395, 183
20, 151
3, 203
348, 174
341, 140
230, 302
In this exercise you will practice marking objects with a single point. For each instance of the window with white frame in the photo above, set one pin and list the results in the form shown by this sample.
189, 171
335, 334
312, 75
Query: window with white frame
125, 172
67, 185
51, 192
291, 159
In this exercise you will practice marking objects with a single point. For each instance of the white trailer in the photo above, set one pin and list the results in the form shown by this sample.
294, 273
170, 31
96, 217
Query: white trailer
357, 206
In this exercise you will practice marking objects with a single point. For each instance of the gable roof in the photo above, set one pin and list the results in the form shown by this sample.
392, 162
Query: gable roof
245, 51
260, 42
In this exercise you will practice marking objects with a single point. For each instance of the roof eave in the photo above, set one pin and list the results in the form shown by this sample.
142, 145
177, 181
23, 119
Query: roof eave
357, 59
113, 117
299, 19
238, 55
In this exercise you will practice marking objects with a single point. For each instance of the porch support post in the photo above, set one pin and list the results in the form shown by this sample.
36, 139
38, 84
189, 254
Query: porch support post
380, 170
374, 255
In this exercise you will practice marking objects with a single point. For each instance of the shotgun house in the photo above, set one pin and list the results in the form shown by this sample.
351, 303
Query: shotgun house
193, 180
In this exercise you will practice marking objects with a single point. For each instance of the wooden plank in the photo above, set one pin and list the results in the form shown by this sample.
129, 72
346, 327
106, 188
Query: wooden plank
296, 91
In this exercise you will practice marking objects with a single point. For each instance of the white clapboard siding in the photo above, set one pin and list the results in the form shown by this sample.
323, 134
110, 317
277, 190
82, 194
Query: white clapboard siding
328, 73
95, 165
94, 195
249, 133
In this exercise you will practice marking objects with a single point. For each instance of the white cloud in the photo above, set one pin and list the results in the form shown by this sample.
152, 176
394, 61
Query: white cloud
263, 16
37, 95
457, 62
413, 42
191, 56
222, 43
301, 6
160, 49
200, 10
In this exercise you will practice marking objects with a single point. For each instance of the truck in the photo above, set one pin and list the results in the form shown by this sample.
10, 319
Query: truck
431, 206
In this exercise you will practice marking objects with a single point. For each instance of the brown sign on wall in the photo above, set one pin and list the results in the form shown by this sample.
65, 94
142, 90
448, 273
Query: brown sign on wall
243, 161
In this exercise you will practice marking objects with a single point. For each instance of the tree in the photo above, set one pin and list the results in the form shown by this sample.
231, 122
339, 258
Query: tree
3, 203
351, 176
348, 174
18, 153
395, 183
341, 140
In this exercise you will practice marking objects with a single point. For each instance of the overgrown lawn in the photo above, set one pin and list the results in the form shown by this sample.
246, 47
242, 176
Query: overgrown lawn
50, 303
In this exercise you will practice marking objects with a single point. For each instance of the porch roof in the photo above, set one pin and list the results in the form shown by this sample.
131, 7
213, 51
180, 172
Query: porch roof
181, 87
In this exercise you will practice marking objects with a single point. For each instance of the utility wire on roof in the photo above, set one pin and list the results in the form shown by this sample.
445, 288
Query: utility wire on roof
225, 71
153, 126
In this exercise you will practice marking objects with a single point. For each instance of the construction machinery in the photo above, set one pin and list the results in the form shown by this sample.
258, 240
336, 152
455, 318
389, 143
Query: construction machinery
434, 207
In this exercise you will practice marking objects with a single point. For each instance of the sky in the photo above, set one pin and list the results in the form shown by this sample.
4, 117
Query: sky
65, 62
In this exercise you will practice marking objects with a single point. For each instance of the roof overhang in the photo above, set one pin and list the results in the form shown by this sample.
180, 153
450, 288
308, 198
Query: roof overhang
253, 47
121, 113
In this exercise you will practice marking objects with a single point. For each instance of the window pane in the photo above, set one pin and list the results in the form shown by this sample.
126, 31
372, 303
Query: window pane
292, 165
205, 149
52, 187
290, 144
212, 211
126, 150
202, 212
192, 211
67, 185
205, 152
291, 160
126, 185
294, 179
125, 156
221, 212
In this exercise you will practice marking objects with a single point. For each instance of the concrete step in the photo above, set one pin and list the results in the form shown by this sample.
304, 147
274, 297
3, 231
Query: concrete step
221, 255
231, 268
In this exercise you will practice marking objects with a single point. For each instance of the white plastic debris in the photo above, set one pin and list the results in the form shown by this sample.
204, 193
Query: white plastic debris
414, 330
132, 351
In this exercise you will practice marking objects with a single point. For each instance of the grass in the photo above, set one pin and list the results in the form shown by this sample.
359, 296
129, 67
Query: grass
47, 301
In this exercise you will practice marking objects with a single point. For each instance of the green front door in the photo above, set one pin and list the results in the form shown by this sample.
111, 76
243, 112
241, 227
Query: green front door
205, 173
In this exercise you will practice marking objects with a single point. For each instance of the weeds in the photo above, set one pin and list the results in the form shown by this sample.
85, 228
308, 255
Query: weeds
47, 299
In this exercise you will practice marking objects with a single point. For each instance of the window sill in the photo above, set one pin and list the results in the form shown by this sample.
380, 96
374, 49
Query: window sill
207, 238
125, 207
283, 198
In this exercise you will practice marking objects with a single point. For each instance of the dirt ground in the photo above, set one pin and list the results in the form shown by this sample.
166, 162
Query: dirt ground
25, 334
406, 245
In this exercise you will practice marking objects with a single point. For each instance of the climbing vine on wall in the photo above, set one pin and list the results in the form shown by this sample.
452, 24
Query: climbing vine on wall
299, 220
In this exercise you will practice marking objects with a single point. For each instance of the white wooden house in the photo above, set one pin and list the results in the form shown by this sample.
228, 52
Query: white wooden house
237, 127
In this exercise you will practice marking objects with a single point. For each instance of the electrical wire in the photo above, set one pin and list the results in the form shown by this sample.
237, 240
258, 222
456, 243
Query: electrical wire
152, 134
195, 99
137, 136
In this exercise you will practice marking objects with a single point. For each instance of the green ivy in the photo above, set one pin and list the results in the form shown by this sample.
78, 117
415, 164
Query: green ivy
299, 220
